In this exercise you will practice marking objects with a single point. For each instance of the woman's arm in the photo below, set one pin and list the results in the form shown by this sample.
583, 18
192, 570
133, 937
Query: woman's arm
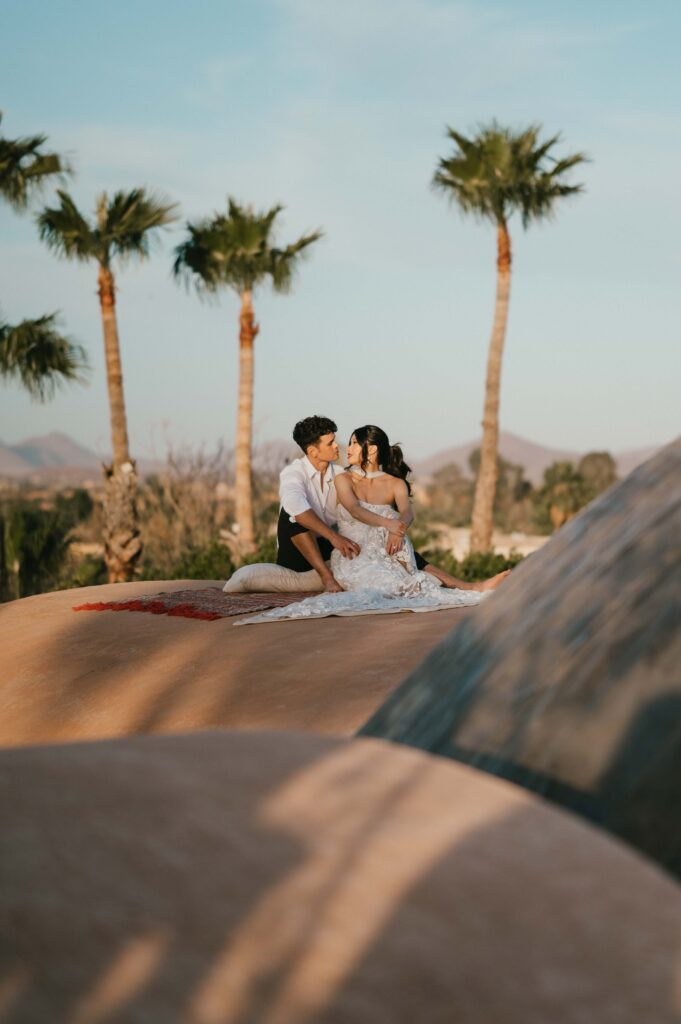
348, 500
403, 502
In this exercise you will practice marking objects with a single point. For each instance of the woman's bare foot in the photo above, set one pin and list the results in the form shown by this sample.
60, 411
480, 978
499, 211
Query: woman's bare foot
493, 582
331, 585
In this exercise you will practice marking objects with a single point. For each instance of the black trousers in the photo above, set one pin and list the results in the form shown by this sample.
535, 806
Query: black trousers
289, 556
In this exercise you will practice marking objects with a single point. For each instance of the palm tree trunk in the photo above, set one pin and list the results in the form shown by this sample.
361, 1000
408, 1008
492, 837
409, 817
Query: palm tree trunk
122, 542
114, 372
244, 426
486, 484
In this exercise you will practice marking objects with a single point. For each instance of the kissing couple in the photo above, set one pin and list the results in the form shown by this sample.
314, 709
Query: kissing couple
350, 526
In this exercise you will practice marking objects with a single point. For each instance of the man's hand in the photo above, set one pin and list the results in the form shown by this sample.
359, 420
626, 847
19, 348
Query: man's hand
347, 547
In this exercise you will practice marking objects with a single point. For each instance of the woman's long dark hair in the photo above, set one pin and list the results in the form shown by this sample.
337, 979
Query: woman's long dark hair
390, 457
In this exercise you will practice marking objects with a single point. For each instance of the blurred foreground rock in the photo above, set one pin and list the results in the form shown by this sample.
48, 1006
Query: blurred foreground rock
568, 681
289, 878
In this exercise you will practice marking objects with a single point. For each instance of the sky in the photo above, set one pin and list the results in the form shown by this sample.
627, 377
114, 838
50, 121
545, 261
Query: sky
338, 110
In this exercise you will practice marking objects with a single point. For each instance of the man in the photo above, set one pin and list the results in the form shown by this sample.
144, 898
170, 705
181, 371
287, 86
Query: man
306, 531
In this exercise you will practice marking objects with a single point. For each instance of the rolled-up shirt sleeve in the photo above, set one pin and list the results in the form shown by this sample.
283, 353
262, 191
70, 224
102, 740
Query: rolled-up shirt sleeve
293, 493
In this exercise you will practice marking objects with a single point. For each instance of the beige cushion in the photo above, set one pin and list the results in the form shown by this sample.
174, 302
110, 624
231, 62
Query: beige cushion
267, 578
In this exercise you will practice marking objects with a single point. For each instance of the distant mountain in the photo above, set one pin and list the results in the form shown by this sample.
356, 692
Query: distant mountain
11, 464
56, 457
55, 450
534, 457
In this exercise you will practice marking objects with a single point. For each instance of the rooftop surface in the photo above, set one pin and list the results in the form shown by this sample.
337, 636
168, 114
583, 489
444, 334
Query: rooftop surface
68, 675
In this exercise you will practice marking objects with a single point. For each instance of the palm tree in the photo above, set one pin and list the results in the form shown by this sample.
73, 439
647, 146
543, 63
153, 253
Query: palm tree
236, 251
122, 228
35, 353
25, 168
491, 176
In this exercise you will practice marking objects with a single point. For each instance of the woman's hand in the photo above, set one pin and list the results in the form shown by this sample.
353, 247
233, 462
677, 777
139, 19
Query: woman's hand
397, 530
394, 544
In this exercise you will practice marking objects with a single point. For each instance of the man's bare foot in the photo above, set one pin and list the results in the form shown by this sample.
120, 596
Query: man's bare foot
332, 586
493, 582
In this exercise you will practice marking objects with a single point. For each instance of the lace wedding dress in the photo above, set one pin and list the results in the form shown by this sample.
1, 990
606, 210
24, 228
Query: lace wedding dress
374, 581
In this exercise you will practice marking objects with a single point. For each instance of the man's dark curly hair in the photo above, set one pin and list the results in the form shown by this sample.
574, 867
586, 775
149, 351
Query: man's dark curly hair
308, 431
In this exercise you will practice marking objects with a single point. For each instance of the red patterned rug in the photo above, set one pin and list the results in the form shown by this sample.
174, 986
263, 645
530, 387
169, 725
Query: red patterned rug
208, 604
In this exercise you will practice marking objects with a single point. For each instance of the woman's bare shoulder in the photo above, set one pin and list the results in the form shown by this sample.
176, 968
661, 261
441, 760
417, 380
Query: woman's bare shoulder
345, 482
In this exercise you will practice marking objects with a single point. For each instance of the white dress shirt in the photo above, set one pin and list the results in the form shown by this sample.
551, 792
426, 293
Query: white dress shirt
301, 488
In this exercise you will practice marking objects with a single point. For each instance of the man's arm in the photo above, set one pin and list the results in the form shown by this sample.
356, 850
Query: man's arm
311, 521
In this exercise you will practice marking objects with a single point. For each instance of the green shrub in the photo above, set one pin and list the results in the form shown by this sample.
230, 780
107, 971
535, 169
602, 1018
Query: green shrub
473, 567
265, 552
74, 507
33, 549
88, 572
212, 561
478, 566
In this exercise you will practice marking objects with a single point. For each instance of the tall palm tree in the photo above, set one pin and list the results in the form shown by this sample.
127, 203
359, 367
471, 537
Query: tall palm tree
235, 250
491, 176
35, 353
122, 229
25, 168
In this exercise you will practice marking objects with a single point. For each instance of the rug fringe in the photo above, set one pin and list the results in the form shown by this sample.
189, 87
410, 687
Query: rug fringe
185, 609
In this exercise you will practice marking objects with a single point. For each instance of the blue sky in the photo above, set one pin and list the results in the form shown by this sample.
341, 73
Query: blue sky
338, 111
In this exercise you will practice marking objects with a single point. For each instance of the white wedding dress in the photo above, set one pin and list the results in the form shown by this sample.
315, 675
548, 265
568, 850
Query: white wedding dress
374, 581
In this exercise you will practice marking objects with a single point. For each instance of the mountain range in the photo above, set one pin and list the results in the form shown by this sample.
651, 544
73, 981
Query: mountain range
58, 458
534, 457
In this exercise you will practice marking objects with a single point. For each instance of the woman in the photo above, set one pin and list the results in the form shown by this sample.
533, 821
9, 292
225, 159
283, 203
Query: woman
374, 509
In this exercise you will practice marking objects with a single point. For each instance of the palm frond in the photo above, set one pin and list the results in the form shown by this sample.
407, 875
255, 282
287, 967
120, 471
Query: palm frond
285, 262
65, 230
198, 259
462, 141
541, 152
130, 219
25, 168
568, 162
40, 357
267, 220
